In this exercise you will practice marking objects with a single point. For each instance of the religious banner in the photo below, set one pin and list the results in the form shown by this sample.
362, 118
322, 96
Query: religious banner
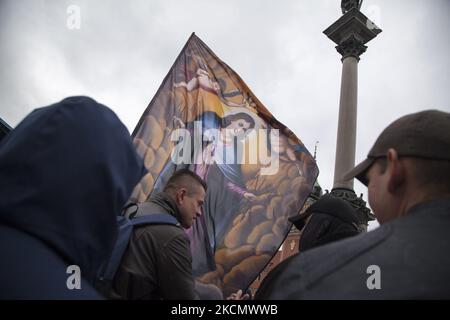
258, 173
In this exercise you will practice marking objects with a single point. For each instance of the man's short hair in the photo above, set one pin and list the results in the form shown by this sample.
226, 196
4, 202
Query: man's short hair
430, 174
185, 178
433, 175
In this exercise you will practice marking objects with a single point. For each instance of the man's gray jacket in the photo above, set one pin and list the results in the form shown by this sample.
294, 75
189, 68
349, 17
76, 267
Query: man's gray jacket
158, 262
407, 258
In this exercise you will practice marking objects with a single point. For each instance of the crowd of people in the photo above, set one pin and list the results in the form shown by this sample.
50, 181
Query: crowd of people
67, 171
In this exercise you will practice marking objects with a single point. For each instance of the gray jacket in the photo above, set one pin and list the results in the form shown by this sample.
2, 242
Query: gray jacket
158, 262
407, 258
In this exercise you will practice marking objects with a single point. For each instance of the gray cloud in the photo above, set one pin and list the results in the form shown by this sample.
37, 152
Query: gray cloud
124, 49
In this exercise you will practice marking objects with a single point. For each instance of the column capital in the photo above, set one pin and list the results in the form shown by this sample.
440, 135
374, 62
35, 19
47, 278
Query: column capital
351, 32
351, 47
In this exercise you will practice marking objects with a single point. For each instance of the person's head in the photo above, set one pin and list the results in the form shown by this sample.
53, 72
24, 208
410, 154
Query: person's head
238, 123
66, 171
327, 220
188, 191
408, 164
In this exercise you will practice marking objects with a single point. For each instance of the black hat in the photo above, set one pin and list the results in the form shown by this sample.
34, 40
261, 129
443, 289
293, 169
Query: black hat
423, 134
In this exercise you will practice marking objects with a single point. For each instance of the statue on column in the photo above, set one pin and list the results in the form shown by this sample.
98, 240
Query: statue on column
347, 5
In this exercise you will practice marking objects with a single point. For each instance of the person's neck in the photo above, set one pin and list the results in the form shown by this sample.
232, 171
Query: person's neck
417, 196
166, 200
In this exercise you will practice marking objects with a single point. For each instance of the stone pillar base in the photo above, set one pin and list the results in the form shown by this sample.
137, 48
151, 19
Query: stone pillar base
364, 213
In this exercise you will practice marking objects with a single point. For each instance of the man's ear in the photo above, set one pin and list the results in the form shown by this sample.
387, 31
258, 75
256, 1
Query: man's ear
396, 171
181, 193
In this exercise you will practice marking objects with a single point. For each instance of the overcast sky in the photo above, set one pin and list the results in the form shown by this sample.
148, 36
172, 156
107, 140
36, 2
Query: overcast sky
123, 49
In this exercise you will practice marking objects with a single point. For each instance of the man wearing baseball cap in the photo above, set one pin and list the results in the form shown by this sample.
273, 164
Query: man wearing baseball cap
408, 164
407, 172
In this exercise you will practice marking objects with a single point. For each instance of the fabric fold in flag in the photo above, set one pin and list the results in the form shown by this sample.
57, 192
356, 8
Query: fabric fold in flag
205, 118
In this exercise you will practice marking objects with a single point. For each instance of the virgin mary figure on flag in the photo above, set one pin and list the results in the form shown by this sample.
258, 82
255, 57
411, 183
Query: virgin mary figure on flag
205, 118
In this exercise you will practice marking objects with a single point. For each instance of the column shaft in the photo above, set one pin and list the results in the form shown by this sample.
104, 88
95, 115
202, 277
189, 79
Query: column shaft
346, 135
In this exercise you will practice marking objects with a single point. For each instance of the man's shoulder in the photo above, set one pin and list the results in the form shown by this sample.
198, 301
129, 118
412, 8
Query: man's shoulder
158, 240
301, 274
410, 253
424, 230
164, 231
320, 262
161, 235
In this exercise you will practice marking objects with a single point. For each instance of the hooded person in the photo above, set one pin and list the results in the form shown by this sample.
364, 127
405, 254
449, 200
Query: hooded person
65, 173
4, 129
327, 220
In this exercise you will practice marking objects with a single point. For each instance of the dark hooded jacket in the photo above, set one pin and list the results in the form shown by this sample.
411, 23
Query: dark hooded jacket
4, 129
65, 172
331, 219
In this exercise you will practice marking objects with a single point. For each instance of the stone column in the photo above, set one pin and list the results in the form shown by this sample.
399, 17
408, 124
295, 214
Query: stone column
350, 32
346, 135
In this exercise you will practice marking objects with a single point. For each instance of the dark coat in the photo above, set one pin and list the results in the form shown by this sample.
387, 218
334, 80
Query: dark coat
412, 253
65, 172
331, 219
158, 261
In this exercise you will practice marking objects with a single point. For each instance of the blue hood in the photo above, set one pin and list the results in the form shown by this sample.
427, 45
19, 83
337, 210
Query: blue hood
65, 173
